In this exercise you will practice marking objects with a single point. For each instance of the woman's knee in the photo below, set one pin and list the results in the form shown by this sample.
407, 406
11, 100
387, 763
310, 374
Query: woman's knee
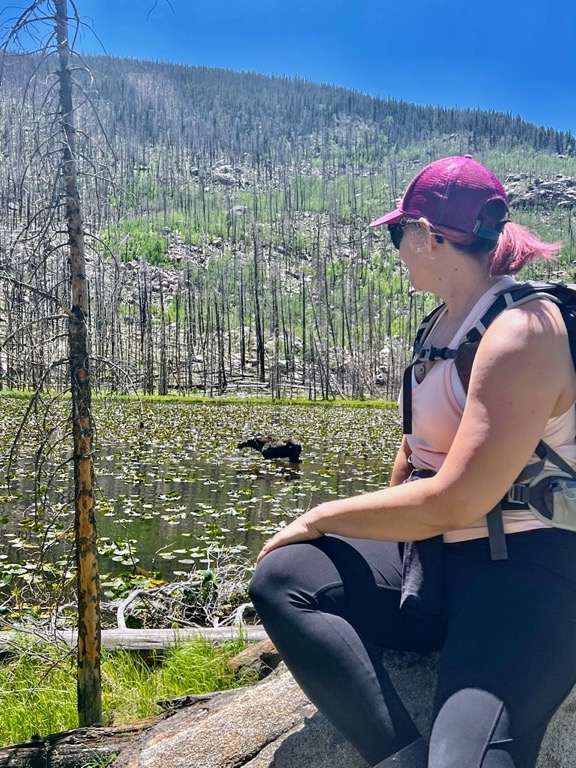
276, 574
473, 728
264, 579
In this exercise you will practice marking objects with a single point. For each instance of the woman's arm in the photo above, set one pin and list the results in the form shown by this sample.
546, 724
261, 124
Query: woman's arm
522, 375
402, 467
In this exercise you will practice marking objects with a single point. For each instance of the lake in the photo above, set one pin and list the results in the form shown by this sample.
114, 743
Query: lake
172, 484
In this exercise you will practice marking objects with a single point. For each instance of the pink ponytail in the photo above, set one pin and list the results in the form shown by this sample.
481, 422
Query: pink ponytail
516, 247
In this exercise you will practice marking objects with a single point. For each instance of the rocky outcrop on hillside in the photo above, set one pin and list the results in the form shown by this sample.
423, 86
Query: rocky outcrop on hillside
527, 191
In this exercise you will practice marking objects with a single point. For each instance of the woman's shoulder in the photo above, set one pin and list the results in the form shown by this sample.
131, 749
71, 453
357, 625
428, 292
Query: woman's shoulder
528, 346
536, 316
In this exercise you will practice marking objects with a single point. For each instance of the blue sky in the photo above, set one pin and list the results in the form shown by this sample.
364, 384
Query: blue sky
515, 56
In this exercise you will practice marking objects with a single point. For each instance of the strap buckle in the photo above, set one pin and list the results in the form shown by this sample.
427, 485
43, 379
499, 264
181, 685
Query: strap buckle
518, 494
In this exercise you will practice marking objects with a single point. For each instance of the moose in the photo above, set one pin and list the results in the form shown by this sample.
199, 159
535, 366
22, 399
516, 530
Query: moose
274, 447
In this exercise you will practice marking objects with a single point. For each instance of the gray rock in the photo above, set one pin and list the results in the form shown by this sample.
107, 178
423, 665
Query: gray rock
555, 192
273, 725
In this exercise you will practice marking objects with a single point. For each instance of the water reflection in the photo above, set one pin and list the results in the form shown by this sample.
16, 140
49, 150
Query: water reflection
233, 502
167, 509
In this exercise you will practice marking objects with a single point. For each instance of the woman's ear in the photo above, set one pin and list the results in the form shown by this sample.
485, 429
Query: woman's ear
429, 239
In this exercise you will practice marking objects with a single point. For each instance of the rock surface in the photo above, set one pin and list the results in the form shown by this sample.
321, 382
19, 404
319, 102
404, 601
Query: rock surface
273, 725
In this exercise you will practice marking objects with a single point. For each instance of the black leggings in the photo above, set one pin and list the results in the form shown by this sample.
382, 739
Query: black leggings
506, 629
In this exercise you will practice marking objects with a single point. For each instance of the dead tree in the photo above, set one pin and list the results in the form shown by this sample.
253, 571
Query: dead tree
63, 211
88, 587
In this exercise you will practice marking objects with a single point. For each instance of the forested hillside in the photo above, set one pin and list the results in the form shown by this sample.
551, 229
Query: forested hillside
226, 215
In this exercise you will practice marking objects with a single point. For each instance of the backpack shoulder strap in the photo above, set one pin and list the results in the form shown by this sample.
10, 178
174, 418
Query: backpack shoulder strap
509, 298
420, 352
425, 325
565, 297
568, 312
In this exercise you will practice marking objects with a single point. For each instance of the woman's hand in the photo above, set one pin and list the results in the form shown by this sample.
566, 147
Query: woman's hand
301, 529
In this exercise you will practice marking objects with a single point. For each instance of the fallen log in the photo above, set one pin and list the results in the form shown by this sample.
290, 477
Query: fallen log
138, 639
268, 724
77, 748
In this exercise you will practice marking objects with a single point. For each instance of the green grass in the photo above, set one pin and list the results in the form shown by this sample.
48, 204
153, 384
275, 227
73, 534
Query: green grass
224, 400
264, 401
38, 685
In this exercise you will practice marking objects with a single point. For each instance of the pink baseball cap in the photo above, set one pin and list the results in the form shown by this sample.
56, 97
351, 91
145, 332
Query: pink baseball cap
450, 193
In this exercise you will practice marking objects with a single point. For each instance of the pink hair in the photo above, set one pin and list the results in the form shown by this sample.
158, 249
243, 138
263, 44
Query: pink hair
516, 246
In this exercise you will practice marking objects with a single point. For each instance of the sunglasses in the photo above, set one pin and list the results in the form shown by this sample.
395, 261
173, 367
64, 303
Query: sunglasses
396, 233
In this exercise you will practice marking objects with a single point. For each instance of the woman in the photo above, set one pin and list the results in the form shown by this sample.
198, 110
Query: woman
506, 628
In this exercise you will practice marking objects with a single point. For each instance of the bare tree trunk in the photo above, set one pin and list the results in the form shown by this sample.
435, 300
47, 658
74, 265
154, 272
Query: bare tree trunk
219, 332
260, 350
163, 363
89, 629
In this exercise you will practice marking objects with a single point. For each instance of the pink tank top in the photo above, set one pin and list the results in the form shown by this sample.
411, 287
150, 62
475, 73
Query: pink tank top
437, 407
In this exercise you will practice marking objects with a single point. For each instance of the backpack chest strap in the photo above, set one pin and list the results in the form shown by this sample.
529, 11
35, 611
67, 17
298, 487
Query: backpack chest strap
422, 354
426, 353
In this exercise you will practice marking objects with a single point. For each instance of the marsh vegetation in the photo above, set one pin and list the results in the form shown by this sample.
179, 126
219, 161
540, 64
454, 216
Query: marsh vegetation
175, 495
